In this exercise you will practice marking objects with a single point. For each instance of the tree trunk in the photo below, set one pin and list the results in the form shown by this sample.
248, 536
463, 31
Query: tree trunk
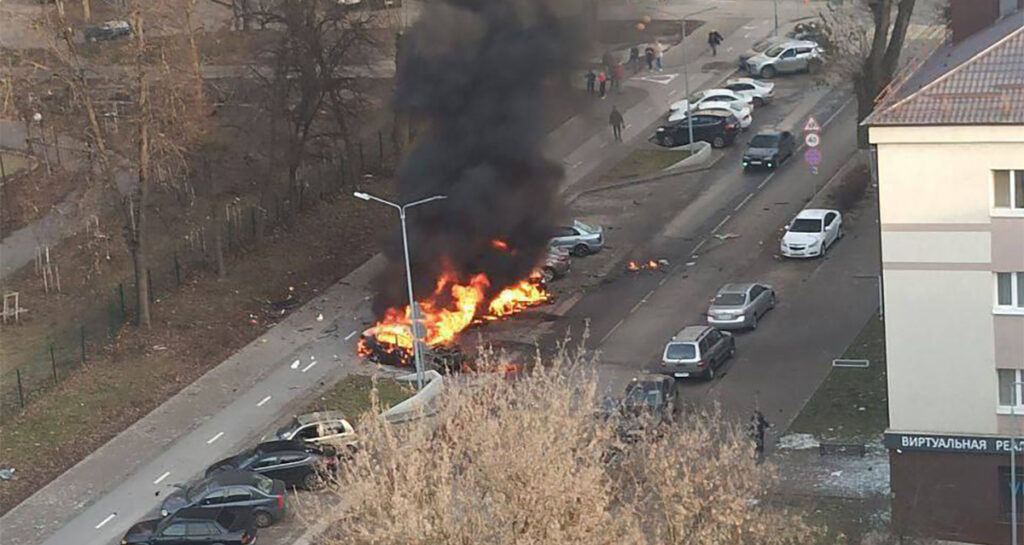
193, 46
219, 219
87, 10
137, 228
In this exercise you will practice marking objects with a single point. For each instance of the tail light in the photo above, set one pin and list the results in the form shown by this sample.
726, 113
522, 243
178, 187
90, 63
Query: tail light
730, 126
280, 502
701, 363
246, 538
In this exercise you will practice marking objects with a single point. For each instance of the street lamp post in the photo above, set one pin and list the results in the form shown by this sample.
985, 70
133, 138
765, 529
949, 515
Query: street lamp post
775, 7
1013, 464
686, 90
413, 307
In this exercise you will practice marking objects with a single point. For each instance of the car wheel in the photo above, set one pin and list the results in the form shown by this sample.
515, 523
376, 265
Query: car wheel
718, 142
668, 141
841, 234
771, 302
710, 373
580, 250
824, 249
732, 351
547, 274
758, 102
311, 481
768, 72
262, 519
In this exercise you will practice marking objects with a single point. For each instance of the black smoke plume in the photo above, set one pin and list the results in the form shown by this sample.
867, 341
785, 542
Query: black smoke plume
472, 78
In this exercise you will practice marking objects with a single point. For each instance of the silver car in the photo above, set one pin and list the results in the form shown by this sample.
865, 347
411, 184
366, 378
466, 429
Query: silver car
580, 239
739, 306
328, 427
785, 57
556, 264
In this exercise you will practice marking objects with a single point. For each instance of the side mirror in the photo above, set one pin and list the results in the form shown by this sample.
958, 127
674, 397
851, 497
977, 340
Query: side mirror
786, 228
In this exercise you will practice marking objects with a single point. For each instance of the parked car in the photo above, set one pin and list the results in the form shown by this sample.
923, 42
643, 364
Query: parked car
697, 351
696, 101
784, 58
812, 232
328, 427
757, 92
741, 113
110, 30
189, 526
768, 149
556, 264
580, 239
810, 31
237, 491
294, 462
739, 306
651, 394
717, 129
759, 47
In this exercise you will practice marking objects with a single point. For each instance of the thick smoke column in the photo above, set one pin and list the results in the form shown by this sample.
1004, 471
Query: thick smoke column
472, 78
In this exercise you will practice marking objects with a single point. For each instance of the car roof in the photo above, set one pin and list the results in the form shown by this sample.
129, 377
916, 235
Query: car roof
797, 43
650, 377
814, 213
752, 81
232, 477
739, 287
690, 333
280, 446
319, 416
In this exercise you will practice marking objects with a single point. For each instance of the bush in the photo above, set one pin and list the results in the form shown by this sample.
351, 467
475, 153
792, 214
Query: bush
852, 187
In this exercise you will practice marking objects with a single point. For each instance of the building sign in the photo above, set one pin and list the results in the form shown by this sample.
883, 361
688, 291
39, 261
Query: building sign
950, 443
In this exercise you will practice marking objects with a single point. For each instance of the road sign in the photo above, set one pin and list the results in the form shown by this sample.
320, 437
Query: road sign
814, 170
812, 125
812, 139
812, 156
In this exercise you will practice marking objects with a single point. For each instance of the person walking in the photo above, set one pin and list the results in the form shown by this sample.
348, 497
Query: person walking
714, 40
617, 122
617, 76
649, 55
634, 59
591, 78
659, 52
602, 83
758, 426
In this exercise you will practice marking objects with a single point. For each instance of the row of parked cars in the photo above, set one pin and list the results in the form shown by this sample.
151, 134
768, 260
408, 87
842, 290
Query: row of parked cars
247, 491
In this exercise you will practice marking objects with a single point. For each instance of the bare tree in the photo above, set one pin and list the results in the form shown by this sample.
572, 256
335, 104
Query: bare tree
530, 461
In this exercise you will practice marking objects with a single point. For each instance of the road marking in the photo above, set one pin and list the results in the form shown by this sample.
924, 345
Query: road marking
673, 91
610, 331
743, 202
214, 438
836, 114
699, 246
106, 520
721, 223
308, 367
262, 401
577, 164
295, 364
642, 301
161, 478
766, 180
350, 335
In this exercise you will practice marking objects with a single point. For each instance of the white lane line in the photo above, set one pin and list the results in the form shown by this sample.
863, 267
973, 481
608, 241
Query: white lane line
610, 331
663, 280
641, 302
161, 478
350, 335
214, 438
837, 112
743, 202
262, 401
308, 367
721, 223
105, 521
766, 180
699, 246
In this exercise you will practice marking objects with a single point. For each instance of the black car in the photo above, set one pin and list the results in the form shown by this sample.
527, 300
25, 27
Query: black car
652, 394
193, 526
240, 491
768, 149
719, 130
294, 462
111, 30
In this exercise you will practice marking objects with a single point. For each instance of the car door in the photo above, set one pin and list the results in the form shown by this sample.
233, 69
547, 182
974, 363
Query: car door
334, 430
758, 299
714, 338
830, 228
294, 467
562, 236
803, 57
238, 499
787, 61
214, 499
201, 532
268, 466
309, 432
174, 534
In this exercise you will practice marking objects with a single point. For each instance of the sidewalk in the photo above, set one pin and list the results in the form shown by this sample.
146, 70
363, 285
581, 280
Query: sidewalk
96, 500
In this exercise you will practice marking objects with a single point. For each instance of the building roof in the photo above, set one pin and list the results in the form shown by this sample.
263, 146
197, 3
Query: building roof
979, 81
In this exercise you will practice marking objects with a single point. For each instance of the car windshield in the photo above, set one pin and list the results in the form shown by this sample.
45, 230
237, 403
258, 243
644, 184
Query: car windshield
197, 490
697, 96
763, 141
288, 429
805, 225
762, 45
680, 351
641, 395
244, 459
265, 484
775, 51
730, 299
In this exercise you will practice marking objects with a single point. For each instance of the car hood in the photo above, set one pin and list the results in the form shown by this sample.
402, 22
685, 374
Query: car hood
174, 502
802, 238
680, 105
759, 58
760, 152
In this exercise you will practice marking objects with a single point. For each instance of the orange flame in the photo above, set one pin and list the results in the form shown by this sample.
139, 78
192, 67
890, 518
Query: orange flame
650, 265
518, 298
500, 245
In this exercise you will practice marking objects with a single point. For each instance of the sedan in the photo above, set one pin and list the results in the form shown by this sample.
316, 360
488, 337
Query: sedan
757, 92
556, 264
812, 232
742, 114
768, 149
193, 526
237, 491
696, 100
739, 306
580, 239
294, 462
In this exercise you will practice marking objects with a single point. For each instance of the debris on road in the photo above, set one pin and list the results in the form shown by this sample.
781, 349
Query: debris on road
798, 441
7, 474
649, 265
727, 236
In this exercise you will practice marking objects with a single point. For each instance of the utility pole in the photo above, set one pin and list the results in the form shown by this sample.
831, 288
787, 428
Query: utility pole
775, 7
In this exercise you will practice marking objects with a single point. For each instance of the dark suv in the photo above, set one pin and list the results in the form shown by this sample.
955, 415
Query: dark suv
719, 130
697, 350
190, 526
294, 462
655, 394
768, 149
238, 491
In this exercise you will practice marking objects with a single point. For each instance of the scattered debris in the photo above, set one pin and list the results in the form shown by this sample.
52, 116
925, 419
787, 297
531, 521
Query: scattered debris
727, 236
690, 263
320, 317
295, 364
650, 265
7, 473
798, 441
159, 347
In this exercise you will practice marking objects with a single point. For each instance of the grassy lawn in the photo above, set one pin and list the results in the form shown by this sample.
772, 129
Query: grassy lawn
352, 395
851, 405
646, 161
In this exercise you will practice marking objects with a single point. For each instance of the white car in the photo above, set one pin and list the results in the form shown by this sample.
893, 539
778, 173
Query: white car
758, 92
812, 232
742, 113
698, 99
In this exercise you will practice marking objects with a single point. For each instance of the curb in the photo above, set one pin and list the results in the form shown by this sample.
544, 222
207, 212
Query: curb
702, 160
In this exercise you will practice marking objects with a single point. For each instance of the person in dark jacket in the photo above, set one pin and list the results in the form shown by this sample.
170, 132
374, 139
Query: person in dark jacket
617, 122
758, 426
602, 83
634, 59
649, 55
714, 40
591, 78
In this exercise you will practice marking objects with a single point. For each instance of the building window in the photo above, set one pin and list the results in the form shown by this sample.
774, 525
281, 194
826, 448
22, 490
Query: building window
1011, 391
1010, 292
1007, 488
1008, 190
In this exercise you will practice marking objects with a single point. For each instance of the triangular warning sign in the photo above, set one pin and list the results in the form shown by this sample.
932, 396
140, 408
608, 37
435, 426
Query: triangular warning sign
812, 125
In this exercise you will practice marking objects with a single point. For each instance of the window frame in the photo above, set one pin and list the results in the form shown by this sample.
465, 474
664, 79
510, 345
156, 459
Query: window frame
1005, 211
1017, 391
1016, 306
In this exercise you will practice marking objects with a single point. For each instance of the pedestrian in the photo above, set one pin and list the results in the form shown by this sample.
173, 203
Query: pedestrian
649, 55
634, 59
758, 425
659, 52
591, 78
617, 76
608, 60
617, 122
714, 40
602, 82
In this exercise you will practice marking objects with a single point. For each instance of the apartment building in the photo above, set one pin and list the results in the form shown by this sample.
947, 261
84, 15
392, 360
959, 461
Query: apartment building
949, 146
